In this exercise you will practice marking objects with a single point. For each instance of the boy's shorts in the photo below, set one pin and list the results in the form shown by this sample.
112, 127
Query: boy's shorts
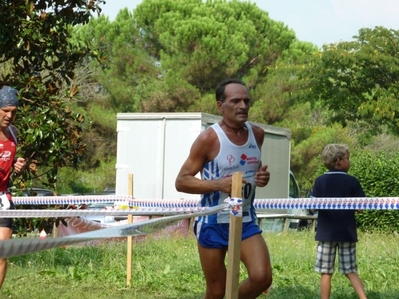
326, 252
217, 235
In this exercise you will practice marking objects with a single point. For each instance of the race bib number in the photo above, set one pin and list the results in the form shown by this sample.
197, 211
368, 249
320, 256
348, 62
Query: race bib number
247, 190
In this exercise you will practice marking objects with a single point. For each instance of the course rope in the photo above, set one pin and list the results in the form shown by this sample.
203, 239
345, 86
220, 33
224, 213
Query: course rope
68, 200
14, 247
107, 212
184, 209
180, 205
349, 203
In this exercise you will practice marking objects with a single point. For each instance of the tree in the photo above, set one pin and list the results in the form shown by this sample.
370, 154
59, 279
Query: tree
169, 55
358, 80
128, 72
200, 43
278, 95
38, 60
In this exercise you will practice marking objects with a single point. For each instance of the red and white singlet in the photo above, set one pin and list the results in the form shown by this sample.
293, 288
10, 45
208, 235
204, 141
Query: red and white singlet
8, 150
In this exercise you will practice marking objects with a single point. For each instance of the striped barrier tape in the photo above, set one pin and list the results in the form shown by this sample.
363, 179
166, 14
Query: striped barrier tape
349, 203
68, 200
9, 248
155, 205
235, 205
14, 247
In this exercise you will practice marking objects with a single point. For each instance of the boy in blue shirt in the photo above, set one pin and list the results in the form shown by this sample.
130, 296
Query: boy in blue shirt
336, 229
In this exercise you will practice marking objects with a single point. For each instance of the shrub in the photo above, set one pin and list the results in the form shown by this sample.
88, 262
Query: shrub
377, 173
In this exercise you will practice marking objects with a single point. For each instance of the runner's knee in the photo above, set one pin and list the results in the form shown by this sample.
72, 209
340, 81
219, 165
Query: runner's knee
263, 278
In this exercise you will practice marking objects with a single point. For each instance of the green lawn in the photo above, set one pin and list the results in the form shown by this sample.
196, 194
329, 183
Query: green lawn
168, 268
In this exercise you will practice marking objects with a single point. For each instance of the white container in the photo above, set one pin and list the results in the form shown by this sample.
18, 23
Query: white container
153, 147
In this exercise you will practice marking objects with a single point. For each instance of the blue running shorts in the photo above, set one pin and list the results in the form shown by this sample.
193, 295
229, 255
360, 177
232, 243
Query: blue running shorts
217, 235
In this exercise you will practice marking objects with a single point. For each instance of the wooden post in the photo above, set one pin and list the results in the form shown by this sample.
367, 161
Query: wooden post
129, 238
286, 224
56, 231
234, 249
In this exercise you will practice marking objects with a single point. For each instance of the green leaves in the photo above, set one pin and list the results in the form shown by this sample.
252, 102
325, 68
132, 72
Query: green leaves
377, 173
359, 79
205, 42
40, 61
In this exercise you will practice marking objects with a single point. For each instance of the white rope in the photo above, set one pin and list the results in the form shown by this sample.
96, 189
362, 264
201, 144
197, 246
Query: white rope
14, 247
112, 212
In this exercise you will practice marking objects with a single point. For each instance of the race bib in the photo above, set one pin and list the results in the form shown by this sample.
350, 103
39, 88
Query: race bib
5, 202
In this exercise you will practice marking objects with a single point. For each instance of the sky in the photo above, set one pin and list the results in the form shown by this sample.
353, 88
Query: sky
315, 21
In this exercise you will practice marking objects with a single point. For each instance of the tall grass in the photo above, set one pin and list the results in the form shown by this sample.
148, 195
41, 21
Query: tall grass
169, 268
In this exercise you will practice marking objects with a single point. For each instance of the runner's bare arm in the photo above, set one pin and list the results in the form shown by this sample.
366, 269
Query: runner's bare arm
203, 150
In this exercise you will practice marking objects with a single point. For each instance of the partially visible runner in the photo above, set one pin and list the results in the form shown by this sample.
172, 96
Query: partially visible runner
231, 145
8, 147
336, 229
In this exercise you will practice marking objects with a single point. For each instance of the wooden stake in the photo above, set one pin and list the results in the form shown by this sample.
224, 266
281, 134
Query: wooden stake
56, 231
129, 238
234, 250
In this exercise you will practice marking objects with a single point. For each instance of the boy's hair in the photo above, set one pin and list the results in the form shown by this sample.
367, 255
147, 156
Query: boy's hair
332, 152
220, 96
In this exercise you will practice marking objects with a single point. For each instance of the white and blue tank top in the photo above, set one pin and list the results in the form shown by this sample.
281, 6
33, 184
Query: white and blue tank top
232, 158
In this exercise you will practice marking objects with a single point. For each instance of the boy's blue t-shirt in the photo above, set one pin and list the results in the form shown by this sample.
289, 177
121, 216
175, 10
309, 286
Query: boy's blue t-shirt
337, 225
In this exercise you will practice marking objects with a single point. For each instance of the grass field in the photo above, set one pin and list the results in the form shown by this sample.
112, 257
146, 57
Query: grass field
168, 268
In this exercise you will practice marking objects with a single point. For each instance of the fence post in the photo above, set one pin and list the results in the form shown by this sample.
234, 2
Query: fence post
234, 249
129, 238
55, 232
286, 223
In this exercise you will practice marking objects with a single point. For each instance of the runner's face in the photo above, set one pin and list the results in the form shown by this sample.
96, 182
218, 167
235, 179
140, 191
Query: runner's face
7, 115
236, 104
